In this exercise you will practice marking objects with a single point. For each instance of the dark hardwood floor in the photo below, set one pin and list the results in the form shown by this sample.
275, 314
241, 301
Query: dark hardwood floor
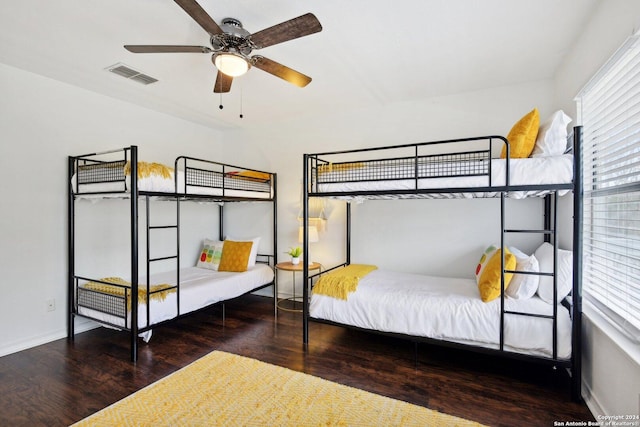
62, 382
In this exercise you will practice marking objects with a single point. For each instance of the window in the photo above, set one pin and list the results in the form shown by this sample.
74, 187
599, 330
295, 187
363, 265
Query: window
610, 114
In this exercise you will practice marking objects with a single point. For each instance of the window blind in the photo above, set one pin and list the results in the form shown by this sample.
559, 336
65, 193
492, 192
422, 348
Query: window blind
610, 113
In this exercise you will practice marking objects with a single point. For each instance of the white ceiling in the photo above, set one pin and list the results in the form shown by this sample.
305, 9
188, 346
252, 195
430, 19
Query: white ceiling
369, 51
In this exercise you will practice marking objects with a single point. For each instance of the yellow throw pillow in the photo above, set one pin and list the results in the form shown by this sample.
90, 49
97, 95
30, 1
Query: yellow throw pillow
235, 256
488, 272
522, 136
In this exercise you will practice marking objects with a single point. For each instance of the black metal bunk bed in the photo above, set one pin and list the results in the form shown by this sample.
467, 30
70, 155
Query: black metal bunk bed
411, 178
114, 174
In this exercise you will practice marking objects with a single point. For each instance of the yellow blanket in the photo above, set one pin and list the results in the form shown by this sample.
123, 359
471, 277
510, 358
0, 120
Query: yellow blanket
339, 283
146, 169
119, 290
251, 175
331, 167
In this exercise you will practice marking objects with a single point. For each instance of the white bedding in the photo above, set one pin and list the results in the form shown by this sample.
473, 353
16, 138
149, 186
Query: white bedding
447, 309
529, 171
199, 288
157, 183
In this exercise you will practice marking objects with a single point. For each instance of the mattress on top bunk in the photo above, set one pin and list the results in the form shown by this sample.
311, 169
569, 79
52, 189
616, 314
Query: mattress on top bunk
159, 178
199, 287
527, 171
447, 309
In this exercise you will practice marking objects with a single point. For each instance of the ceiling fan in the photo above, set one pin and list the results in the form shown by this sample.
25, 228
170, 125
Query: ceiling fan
231, 45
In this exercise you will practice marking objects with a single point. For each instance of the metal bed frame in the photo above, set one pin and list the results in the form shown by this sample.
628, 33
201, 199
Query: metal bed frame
417, 166
198, 173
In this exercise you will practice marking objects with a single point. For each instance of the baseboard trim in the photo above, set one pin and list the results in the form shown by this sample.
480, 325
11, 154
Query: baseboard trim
17, 346
592, 402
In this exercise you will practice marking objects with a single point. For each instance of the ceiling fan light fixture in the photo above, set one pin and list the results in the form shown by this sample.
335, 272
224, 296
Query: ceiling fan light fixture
230, 63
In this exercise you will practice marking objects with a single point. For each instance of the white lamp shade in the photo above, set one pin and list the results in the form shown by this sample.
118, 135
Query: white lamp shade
231, 64
313, 234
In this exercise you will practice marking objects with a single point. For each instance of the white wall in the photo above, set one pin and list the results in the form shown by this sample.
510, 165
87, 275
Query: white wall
611, 362
42, 121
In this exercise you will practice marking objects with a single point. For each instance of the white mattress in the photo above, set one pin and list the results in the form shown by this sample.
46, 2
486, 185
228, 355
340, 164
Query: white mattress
199, 287
529, 171
446, 309
157, 183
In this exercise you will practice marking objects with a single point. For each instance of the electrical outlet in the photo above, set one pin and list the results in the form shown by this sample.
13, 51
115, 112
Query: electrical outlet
51, 304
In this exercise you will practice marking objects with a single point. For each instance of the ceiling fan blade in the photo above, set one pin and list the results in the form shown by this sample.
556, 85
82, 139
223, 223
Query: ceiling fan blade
287, 30
199, 15
223, 83
279, 70
139, 48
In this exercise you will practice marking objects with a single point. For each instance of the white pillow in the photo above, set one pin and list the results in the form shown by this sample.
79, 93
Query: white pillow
544, 254
210, 254
524, 286
254, 248
552, 136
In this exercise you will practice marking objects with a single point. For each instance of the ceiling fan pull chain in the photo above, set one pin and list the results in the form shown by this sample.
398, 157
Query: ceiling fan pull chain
241, 115
221, 106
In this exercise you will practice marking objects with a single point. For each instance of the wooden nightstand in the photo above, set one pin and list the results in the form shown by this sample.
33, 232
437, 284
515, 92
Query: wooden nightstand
293, 268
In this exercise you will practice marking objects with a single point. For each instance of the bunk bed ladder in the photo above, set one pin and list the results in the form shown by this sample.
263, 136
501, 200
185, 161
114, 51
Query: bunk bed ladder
549, 233
150, 260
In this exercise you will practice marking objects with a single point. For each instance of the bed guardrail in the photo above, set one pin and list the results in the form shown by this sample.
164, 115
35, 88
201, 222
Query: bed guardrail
465, 157
207, 174
99, 168
115, 305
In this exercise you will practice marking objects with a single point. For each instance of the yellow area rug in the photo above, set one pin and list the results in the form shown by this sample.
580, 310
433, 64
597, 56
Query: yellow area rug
223, 389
